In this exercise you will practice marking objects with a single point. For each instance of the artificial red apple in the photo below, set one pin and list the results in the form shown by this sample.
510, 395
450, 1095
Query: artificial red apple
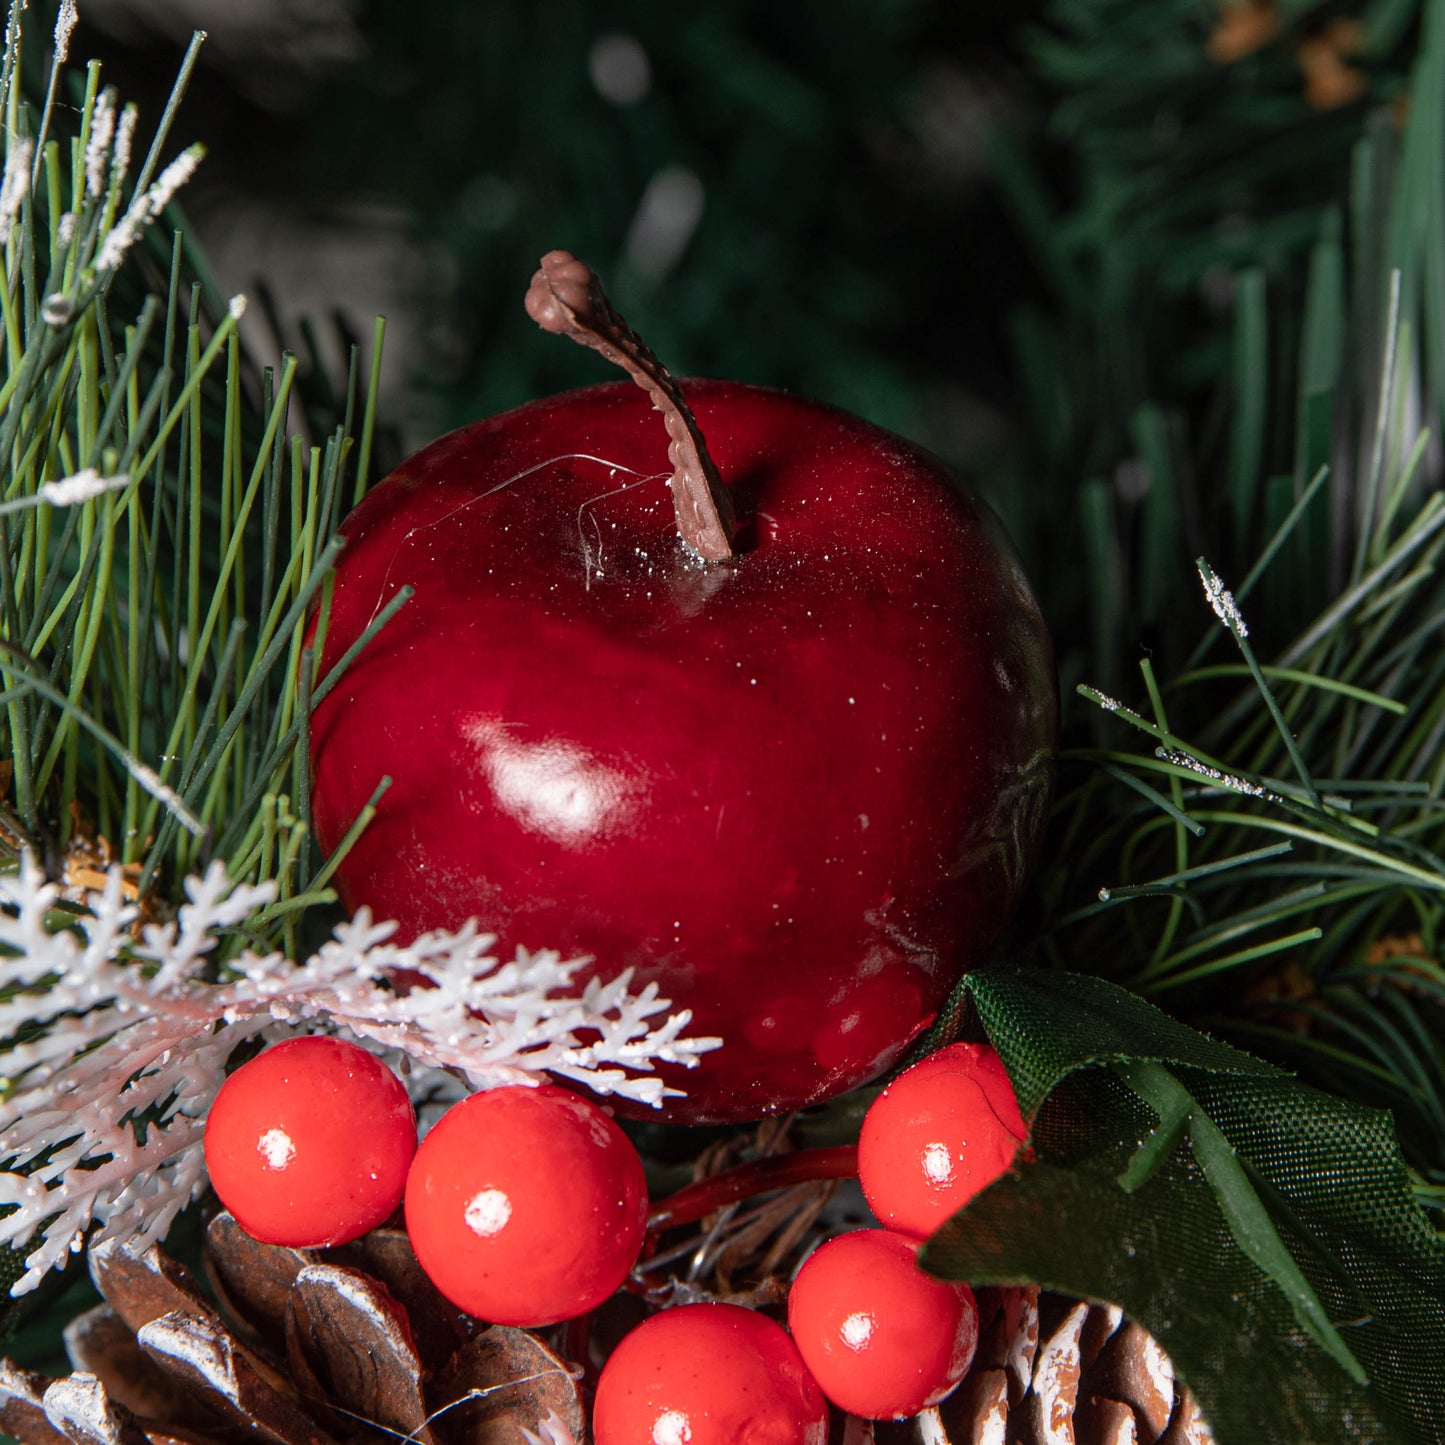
800, 788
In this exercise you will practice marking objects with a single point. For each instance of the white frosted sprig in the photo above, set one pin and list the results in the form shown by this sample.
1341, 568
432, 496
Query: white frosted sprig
15, 184
65, 22
1231, 781
490, 1022
146, 207
83, 486
1221, 599
106, 1027
98, 147
124, 140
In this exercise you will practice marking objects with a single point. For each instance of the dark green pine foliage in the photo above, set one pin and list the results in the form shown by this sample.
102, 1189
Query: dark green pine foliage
1235, 375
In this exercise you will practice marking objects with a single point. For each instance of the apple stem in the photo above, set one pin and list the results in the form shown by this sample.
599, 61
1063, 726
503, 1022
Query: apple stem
756, 1176
566, 298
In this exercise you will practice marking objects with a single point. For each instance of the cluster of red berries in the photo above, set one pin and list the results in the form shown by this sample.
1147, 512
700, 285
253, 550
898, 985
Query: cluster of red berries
525, 1205
528, 1206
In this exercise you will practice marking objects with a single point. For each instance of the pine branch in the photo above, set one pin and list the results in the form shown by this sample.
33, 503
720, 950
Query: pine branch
1281, 820
153, 642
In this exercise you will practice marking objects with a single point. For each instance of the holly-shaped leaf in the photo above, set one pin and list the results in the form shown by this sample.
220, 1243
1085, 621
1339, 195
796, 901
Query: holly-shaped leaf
1264, 1232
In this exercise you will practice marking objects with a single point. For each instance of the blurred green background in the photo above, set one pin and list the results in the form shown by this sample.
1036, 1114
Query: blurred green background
1012, 231
794, 194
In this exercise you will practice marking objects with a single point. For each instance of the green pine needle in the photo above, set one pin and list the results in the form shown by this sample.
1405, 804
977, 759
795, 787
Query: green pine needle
164, 540
1279, 836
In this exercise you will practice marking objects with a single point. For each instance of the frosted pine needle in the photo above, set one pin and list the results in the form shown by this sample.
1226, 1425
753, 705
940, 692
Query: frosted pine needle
146, 207
15, 184
124, 140
1232, 781
118, 1044
12, 26
1221, 599
81, 487
98, 149
162, 791
65, 23
163, 189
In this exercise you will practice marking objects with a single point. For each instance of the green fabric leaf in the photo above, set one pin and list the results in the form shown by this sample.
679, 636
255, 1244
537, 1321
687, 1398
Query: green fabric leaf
1244, 1210
1263, 1231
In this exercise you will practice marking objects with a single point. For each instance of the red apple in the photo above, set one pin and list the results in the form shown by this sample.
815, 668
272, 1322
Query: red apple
801, 789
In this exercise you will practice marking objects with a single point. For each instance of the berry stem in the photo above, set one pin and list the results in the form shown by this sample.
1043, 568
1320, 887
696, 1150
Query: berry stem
757, 1176
574, 1340
567, 299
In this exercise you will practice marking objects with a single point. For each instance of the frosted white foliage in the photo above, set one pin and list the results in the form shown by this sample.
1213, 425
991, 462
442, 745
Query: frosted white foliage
1234, 783
146, 207
15, 184
98, 149
65, 23
82, 486
1221, 599
109, 1020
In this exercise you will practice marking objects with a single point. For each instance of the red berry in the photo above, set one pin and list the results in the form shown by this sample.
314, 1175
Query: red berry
308, 1144
936, 1136
708, 1374
526, 1205
883, 1339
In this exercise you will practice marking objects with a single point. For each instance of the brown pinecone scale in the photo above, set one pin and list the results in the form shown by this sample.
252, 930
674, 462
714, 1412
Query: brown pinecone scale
1057, 1371
350, 1346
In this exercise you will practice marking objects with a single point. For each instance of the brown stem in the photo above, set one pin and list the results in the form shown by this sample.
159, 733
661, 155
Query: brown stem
574, 1344
757, 1176
568, 300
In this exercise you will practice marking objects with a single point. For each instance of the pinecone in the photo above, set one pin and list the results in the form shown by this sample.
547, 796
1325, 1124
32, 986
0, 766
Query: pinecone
1055, 1371
350, 1346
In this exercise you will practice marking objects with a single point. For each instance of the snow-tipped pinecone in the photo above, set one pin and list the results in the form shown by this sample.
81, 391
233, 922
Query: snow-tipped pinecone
308, 1347
1054, 1371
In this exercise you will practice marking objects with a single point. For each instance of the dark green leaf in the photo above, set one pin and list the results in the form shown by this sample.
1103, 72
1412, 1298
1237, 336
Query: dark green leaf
1262, 1217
